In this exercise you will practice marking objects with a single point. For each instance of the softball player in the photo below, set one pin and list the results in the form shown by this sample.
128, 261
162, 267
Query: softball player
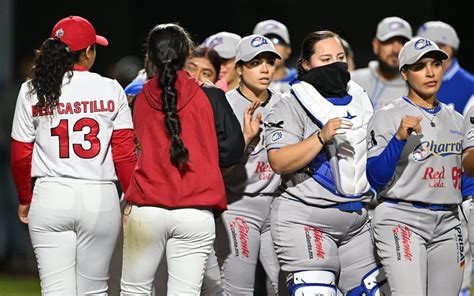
415, 147
225, 44
278, 34
184, 130
72, 132
316, 140
252, 184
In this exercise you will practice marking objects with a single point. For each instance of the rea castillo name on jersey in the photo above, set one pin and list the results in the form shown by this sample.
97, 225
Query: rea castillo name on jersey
73, 140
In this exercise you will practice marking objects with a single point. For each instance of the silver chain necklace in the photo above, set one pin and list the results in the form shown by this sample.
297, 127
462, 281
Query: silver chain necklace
422, 110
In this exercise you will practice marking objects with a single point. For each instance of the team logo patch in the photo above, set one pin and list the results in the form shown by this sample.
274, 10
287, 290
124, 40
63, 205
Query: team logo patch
422, 43
428, 149
403, 243
239, 230
215, 42
269, 27
59, 33
395, 25
349, 116
277, 136
258, 41
314, 242
435, 177
460, 246
470, 135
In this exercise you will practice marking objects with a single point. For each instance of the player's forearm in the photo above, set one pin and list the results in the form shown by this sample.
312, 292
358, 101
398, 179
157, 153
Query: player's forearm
124, 155
380, 169
20, 162
468, 162
294, 157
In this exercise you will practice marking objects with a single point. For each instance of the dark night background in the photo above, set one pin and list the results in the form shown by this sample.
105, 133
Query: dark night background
126, 23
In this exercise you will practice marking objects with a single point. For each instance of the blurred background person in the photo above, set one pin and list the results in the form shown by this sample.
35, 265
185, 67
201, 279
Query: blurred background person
349, 55
204, 64
225, 44
381, 79
457, 90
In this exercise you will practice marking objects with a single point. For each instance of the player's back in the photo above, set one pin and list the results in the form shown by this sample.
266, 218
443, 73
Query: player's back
73, 140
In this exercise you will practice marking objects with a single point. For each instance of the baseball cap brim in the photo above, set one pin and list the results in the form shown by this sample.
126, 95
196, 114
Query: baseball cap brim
392, 35
247, 58
101, 40
442, 55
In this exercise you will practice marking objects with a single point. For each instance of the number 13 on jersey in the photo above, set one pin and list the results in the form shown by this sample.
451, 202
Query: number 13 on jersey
87, 149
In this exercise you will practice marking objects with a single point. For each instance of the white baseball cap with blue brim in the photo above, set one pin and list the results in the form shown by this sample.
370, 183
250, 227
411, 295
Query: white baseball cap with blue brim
439, 32
224, 43
251, 46
415, 49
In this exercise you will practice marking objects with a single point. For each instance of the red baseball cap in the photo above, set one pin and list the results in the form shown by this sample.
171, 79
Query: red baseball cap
77, 33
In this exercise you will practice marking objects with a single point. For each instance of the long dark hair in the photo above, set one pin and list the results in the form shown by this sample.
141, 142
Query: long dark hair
307, 47
52, 62
210, 54
168, 48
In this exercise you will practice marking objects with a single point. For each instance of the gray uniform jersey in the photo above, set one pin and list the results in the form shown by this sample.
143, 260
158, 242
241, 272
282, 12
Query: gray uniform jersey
429, 168
381, 92
290, 124
253, 175
469, 129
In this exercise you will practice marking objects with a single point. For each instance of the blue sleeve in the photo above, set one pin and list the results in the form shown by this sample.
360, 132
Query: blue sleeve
134, 87
467, 186
381, 168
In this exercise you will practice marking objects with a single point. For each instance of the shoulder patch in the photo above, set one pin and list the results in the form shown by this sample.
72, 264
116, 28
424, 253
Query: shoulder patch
277, 136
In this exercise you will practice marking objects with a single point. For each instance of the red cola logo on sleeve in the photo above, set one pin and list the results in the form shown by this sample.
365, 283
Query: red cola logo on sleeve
428, 149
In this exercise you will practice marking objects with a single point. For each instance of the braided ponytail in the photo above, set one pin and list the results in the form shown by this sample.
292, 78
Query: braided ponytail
168, 47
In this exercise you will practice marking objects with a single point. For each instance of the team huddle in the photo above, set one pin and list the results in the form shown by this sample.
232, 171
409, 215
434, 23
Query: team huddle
219, 156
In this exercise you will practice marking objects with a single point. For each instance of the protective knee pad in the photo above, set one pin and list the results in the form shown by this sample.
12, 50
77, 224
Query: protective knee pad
315, 282
374, 283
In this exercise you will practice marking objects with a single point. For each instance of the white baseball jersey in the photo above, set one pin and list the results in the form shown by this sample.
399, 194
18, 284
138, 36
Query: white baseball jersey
253, 175
429, 168
74, 140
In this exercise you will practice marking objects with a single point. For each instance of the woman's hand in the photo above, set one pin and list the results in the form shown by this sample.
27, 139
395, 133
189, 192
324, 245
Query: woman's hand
251, 123
126, 212
23, 213
408, 124
333, 127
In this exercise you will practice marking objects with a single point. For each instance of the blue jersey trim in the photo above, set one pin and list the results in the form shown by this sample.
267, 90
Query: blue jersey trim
429, 110
346, 100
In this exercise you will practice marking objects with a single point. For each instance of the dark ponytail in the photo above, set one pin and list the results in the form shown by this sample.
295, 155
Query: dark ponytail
52, 61
168, 47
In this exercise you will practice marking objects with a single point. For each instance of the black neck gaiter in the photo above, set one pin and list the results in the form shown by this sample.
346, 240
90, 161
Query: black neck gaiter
329, 80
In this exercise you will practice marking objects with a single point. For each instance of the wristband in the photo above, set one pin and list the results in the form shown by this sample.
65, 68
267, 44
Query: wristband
319, 138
